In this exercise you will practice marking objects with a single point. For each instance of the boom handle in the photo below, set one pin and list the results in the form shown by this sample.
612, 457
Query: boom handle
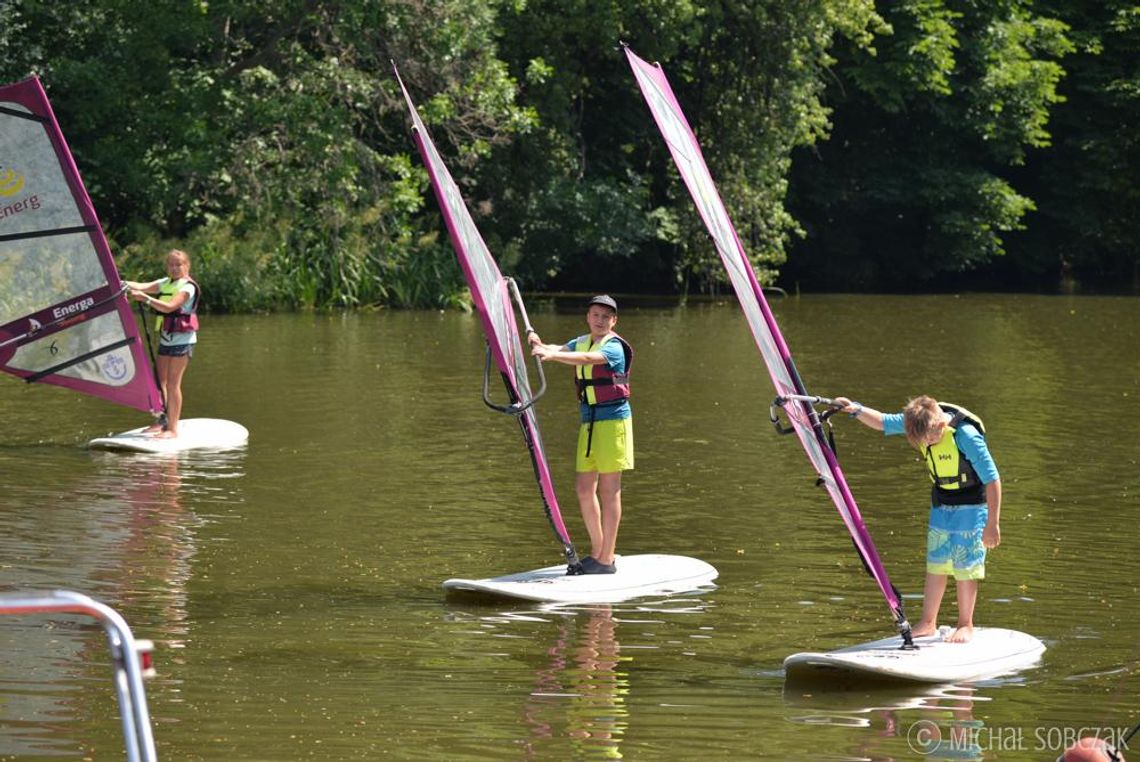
779, 402
36, 327
514, 289
515, 408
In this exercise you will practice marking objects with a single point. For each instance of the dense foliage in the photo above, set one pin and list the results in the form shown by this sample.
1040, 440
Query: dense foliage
915, 180
858, 145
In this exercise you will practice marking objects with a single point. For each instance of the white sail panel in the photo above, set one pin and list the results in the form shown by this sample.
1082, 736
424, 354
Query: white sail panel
492, 299
64, 316
686, 152
113, 368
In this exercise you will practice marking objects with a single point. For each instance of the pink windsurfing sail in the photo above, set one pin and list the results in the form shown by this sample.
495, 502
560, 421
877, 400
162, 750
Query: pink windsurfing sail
64, 316
791, 395
492, 297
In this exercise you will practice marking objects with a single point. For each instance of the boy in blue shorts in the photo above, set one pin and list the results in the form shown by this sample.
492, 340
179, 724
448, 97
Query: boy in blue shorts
965, 500
601, 361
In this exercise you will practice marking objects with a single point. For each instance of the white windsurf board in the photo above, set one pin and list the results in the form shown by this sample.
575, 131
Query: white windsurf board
193, 434
636, 576
991, 652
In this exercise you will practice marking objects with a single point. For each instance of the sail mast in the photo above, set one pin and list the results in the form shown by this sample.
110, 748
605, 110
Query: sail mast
686, 152
492, 296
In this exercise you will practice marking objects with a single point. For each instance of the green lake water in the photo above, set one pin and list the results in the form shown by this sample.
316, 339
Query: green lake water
293, 588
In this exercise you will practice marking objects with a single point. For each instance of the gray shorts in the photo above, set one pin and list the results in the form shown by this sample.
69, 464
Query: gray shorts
177, 350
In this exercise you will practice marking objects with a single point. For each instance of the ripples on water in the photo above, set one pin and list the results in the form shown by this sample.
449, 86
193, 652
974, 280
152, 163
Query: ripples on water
112, 527
293, 588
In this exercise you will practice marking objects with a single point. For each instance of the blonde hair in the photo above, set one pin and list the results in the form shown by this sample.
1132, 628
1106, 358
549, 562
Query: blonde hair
921, 416
181, 255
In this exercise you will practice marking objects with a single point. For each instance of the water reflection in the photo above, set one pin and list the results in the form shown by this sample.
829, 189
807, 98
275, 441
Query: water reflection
111, 526
374, 474
581, 691
161, 530
937, 722
575, 672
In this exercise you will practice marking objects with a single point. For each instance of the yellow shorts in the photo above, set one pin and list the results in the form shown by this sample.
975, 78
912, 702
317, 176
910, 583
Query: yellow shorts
611, 448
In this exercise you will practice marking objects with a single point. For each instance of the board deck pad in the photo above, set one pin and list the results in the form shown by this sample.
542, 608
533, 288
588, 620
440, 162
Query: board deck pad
993, 651
193, 434
636, 576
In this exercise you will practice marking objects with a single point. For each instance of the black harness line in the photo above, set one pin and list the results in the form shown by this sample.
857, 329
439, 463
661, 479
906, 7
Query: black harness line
590, 423
153, 364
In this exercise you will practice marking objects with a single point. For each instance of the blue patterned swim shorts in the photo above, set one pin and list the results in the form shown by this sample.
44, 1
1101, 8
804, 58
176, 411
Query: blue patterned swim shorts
954, 541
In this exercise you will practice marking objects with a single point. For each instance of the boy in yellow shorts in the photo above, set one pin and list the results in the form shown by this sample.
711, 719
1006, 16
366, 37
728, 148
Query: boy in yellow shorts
601, 361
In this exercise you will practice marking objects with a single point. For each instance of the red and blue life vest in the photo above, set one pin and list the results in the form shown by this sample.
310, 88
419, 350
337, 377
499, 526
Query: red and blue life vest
598, 384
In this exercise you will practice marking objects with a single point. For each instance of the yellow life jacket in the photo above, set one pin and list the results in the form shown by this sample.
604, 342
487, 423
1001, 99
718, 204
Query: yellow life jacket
955, 480
166, 292
179, 321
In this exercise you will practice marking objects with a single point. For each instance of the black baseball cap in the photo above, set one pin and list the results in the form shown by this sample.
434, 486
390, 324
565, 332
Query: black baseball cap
603, 299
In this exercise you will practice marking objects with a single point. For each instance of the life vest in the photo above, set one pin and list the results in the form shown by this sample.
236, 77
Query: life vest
166, 292
178, 321
955, 482
598, 384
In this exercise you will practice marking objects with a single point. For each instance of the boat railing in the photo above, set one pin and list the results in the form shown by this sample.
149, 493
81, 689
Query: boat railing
127, 658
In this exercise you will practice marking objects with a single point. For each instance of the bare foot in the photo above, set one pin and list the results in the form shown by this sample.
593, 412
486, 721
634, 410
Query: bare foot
166, 435
154, 428
923, 629
961, 635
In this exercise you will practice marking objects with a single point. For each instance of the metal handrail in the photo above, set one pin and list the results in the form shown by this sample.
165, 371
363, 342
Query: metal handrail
128, 677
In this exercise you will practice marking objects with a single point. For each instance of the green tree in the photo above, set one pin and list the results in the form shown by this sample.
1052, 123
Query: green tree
928, 126
593, 186
269, 136
320, 163
119, 74
1086, 183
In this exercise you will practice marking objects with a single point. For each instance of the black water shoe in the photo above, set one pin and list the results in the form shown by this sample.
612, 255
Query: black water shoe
591, 565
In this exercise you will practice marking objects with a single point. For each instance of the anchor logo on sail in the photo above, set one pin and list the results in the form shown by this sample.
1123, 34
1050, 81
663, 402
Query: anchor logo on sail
11, 182
115, 367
